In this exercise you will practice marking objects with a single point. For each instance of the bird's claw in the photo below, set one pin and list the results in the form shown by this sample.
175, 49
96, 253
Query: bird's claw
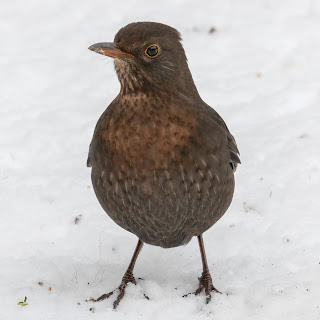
128, 277
206, 285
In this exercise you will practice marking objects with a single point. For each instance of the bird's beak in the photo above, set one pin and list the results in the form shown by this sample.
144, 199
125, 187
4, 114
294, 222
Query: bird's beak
110, 50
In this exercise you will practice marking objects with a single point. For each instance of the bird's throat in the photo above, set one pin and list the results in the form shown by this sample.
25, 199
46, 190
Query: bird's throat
130, 80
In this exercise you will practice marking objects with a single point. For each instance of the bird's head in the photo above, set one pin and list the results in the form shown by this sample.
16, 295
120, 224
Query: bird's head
148, 56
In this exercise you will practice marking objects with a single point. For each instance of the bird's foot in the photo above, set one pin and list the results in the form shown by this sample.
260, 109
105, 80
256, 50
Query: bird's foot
206, 285
128, 277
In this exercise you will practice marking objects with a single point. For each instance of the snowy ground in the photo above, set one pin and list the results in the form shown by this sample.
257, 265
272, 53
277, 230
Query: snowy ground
260, 70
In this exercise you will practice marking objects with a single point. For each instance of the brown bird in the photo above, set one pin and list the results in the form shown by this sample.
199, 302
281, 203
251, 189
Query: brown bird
162, 160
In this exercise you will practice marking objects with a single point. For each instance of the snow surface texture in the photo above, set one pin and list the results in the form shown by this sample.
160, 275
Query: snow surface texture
260, 70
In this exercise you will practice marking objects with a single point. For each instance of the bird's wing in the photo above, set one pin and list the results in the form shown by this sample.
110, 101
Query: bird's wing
233, 149
95, 138
234, 154
97, 132
94, 141
89, 163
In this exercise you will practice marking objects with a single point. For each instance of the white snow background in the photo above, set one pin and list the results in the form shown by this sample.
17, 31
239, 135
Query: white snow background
260, 70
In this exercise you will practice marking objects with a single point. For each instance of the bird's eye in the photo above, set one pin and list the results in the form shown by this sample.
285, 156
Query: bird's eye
152, 51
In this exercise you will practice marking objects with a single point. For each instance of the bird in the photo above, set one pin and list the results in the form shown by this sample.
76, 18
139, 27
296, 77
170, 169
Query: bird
163, 161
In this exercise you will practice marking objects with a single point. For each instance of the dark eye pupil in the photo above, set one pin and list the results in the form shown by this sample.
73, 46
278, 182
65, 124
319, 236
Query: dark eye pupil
152, 51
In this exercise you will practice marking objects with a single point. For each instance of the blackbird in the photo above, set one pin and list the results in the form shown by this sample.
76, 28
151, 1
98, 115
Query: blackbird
162, 160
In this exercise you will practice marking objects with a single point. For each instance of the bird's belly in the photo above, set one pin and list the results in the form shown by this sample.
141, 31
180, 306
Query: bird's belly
165, 207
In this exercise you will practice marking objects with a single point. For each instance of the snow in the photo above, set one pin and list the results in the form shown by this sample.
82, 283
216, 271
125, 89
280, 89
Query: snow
260, 70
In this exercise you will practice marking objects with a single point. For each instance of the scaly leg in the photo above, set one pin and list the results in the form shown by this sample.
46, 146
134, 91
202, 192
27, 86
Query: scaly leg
128, 277
205, 281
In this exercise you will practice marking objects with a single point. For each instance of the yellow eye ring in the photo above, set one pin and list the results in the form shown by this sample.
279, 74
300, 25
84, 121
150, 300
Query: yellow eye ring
152, 51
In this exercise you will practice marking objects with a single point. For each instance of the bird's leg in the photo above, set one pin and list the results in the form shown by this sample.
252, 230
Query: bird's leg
205, 281
128, 277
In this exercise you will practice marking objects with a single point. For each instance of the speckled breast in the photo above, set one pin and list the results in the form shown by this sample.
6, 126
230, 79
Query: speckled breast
154, 179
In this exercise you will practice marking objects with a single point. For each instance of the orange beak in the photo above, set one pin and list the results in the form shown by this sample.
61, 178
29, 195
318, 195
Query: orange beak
110, 50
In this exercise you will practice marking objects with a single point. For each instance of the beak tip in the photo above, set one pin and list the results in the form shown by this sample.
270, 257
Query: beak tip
108, 49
